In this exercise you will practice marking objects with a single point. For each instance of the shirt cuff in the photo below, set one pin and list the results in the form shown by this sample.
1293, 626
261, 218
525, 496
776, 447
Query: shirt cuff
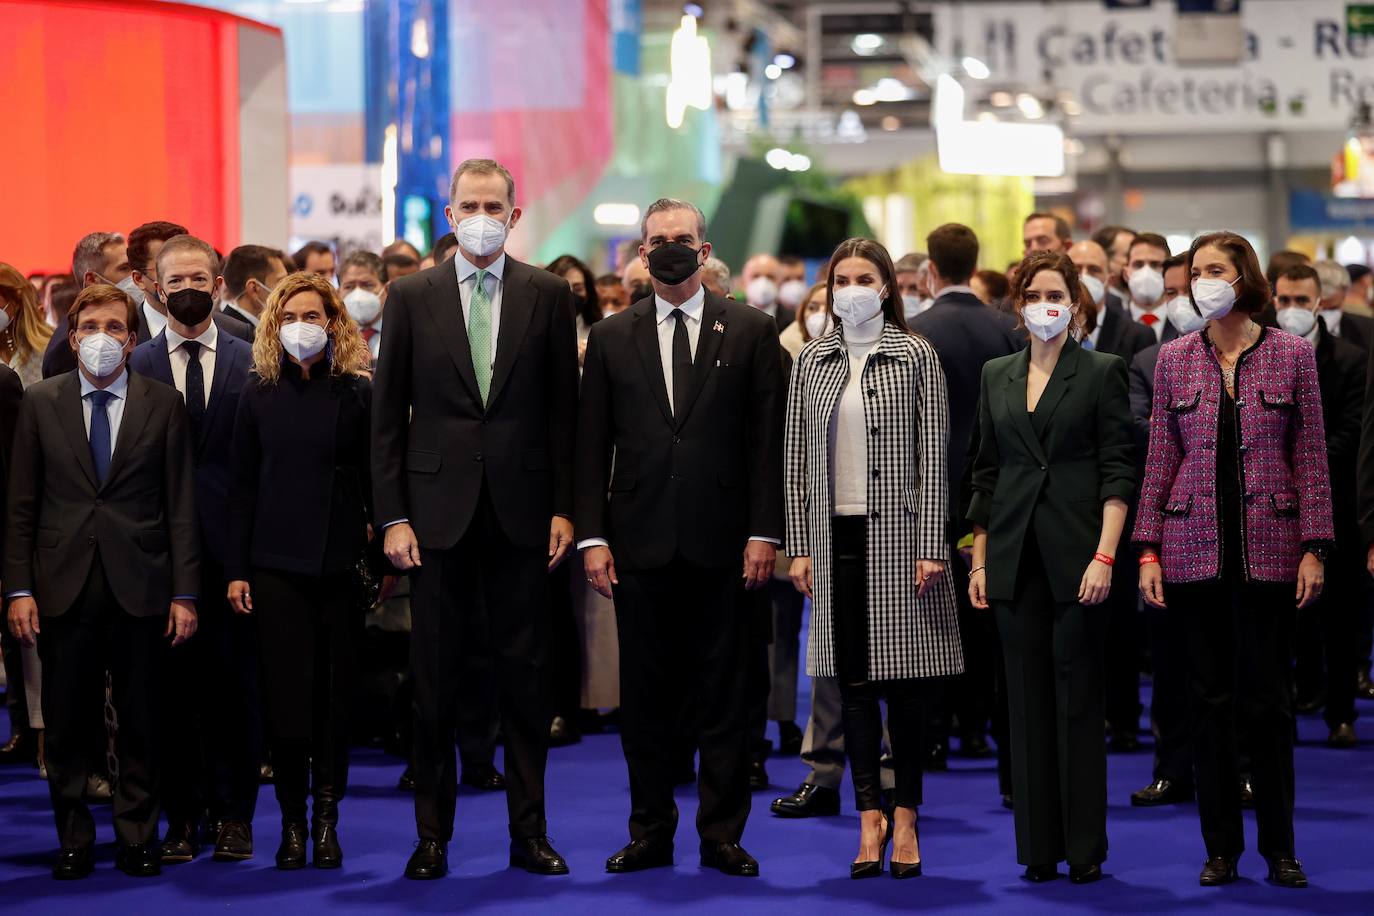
592, 542
774, 541
398, 521
185, 598
22, 593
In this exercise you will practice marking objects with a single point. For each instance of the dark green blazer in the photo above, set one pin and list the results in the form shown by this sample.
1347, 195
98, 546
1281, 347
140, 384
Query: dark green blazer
1053, 470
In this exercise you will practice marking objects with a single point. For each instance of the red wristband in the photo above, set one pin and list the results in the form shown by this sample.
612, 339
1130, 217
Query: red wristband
1148, 558
1103, 558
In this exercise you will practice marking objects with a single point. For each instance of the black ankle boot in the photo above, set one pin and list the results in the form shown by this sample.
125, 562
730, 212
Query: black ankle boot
291, 852
325, 830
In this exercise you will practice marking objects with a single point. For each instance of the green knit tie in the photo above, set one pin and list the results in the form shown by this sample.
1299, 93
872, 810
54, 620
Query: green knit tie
479, 334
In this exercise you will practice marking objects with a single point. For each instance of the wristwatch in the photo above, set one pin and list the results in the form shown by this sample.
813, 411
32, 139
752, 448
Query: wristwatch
1318, 550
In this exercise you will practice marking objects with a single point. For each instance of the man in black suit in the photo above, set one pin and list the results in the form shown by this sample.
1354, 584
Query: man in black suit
1113, 331
100, 257
1326, 631
22, 747
101, 561
1144, 276
966, 334
686, 390
1357, 329
762, 278
474, 417
144, 244
251, 272
211, 691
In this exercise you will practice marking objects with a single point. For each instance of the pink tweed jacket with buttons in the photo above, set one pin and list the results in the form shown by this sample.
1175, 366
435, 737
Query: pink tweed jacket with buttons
1285, 487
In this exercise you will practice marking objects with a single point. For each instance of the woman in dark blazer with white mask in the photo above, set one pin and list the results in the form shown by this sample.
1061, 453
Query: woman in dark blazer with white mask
1050, 482
866, 488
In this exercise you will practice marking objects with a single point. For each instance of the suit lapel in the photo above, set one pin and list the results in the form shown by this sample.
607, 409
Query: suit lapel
445, 306
1058, 385
130, 424
225, 361
713, 327
72, 416
162, 360
646, 342
1111, 330
517, 304
1015, 395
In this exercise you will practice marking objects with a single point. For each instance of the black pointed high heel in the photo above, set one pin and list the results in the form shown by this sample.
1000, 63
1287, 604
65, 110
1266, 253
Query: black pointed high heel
908, 869
873, 869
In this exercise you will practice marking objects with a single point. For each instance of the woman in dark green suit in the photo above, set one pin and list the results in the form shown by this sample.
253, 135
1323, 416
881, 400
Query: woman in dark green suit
1051, 478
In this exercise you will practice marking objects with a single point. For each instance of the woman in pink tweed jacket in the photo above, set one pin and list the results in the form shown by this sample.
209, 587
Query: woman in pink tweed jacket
1233, 527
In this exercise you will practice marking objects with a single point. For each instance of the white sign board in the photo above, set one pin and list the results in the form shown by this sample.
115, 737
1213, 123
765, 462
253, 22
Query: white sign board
1300, 69
338, 204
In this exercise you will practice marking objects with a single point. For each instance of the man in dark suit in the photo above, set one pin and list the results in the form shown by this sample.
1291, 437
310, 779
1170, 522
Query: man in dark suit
211, 691
251, 272
1113, 331
100, 257
762, 278
474, 417
1357, 329
22, 747
144, 244
966, 334
1144, 276
686, 390
1328, 627
101, 561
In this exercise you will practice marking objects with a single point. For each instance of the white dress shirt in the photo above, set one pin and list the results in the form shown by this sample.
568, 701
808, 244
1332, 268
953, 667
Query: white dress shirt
153, 320
180, 359
114, 410
1159, 312
467, 282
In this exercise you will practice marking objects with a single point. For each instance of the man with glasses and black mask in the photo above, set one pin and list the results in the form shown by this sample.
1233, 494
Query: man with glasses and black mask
687, 390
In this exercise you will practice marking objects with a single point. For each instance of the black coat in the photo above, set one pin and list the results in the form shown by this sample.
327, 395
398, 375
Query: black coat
60, 358
230, 311
966, 334
1357, 329
435, 446
141, 521
698, 485
1052, 484
1120, 336
1142, 381
11, 397
1340, 374
233, 359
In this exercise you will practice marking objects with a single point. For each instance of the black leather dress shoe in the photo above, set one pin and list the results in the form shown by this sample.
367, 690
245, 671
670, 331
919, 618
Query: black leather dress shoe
1039, 874
1161, 792
21, 748
758, 776
1287, 872
428, 861
1247, 794
1085, 874
1342, 737
291, 852
639, 855
326, 852
808, 801
209, 834
1124, 742
938, 761
138, 861
181, 844
485, 779
563, 732
789, 739
537, 856
407, 781
729, 859
1218, 870
266, 774
73, 863
235, 843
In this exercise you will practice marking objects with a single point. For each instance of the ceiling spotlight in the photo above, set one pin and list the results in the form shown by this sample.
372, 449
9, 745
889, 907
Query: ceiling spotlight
785, 61
865, 97
796, 162
976, 68
866, 43
888, 89
987, 117
1030, 106
777, 157
891, 122
772, 71
1002, 99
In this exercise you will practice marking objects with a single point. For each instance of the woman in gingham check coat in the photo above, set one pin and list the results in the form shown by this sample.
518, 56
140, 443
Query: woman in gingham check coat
866, 504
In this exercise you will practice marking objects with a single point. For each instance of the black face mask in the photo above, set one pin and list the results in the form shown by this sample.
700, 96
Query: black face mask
673, 263
190, 306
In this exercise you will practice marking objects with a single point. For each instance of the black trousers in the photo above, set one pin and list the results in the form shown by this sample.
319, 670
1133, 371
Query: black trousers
758, 682
16, 701
77, 648
213, 745
310, 633
1238, 639
565, 660
1121, 671
1325, 655
683, 641
859, 696
1054, 687
1169, 701
490, 595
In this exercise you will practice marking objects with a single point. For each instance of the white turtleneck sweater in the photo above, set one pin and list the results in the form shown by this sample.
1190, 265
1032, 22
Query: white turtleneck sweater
848, 428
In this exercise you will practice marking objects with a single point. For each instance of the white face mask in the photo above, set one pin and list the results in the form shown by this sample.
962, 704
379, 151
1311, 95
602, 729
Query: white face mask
1332, 317
302, 340
101, 354
1214, 297
856, 304
481, 235
761, 292
791, 293
817, 324
1095, 287
1046, 321
915, 305
364, 305
1296, 320
1147, 285
131, 289
1183, 316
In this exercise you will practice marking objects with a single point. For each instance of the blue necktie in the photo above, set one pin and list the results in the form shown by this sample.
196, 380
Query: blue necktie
100, 433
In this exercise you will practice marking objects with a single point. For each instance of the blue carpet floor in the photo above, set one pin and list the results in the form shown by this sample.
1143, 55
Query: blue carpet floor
966, 837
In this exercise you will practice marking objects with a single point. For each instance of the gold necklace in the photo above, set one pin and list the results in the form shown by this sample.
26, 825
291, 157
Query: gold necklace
1228, 372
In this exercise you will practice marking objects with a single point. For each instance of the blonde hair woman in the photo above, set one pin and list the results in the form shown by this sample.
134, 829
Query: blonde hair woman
24, 335
300, 503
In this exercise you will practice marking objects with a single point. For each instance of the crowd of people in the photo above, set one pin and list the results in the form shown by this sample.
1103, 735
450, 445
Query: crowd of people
604, 500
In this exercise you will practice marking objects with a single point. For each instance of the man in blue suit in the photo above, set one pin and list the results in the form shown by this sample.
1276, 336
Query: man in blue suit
211, 702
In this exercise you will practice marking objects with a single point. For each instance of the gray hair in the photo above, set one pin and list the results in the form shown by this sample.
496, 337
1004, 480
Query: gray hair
717, 270
482, 167
367, 261
663, 204
90, 253
1334, 278
911, 262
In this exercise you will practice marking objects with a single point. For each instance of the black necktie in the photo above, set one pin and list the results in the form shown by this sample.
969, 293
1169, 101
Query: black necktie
195, 388
682, 363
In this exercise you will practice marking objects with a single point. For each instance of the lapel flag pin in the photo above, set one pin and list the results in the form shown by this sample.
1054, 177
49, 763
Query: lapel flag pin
718, 328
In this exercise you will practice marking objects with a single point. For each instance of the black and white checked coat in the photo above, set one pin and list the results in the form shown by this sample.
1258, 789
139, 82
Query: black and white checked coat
906, 412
